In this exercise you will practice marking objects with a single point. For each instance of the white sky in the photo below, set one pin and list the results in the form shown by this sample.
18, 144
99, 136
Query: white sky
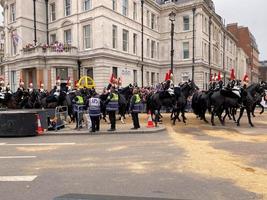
251, 13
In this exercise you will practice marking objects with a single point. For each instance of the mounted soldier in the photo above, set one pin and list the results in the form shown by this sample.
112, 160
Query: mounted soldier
21, 86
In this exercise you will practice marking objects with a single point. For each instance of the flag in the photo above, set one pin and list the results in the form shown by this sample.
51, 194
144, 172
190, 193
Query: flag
232, 75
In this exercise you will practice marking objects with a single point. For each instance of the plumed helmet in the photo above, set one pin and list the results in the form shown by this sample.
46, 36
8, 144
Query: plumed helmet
30, 85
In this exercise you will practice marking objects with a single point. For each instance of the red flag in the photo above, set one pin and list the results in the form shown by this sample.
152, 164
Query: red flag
219, 76
232, 75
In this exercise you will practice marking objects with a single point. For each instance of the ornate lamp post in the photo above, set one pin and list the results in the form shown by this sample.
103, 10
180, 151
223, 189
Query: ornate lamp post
172, 19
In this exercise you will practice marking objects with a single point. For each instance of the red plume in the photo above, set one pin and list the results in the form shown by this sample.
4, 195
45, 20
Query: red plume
232, 75
210, 77
166, 76
111, 78
219, 76
245, 78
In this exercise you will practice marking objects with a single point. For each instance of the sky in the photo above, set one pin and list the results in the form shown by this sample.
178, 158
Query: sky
250, 13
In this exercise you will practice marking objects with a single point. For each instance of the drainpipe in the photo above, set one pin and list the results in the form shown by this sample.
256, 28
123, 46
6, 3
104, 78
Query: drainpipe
34, 22
47, 20
210, 45
193, 66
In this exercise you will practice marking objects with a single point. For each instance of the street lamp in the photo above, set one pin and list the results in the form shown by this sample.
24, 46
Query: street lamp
142, 42
172, 19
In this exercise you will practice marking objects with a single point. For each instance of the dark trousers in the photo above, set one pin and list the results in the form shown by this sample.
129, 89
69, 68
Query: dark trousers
135, 120
78, 119
112, 118
95, 123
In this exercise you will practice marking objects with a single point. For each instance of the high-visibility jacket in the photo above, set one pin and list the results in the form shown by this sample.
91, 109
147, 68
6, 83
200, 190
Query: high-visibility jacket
80, 100
94, 107
113, 104
136, 104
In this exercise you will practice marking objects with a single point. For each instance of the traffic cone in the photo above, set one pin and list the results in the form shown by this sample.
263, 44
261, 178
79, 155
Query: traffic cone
39, 126
150, 123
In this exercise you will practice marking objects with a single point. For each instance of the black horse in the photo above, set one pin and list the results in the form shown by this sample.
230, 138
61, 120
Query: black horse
187, 89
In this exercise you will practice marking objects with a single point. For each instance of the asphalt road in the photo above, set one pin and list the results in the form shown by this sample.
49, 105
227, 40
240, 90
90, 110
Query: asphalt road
193, 161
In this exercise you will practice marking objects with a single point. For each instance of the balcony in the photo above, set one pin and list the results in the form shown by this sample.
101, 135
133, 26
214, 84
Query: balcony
49, 51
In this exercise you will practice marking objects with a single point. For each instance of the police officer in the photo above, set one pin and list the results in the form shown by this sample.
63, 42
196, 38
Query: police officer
135, 108
94, 111
112, 105
77, 108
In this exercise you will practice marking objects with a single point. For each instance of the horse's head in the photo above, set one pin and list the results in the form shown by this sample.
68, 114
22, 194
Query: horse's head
193, 87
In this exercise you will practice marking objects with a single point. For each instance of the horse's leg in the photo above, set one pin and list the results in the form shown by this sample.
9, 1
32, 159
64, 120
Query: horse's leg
249, 118
253, 110
183, 116
240, 115
212, 116
233, 113
262, 108
220, 111
226, 114
229, 113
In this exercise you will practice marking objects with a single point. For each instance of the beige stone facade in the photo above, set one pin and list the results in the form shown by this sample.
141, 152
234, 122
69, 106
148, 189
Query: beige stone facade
105, 38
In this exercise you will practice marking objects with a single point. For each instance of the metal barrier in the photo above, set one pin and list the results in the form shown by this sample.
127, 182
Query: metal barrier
57, 122
80, 109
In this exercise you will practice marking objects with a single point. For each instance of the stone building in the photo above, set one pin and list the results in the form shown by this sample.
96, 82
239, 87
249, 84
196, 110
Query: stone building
263, 70
71, 38
247, 42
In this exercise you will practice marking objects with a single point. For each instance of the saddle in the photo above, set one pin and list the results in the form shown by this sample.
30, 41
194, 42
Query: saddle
232, 93
165, 94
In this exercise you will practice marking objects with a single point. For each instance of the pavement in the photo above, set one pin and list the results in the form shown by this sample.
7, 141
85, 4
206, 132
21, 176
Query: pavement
121, 128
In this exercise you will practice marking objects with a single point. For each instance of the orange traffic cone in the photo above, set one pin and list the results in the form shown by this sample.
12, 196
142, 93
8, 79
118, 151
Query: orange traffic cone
150, 123
39, 126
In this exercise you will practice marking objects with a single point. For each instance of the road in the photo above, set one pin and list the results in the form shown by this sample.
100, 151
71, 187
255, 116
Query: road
193, 161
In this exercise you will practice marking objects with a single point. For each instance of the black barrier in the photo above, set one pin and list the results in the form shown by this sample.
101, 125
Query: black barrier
17, 124
105, 197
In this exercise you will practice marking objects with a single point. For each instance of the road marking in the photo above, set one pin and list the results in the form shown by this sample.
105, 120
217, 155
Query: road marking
16, 157
41, 144
16, 178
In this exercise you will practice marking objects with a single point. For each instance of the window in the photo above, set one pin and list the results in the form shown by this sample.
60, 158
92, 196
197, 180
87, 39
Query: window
147, 18
62, 73
67, 36
114, 37
153, 78
186, 23
12, 12
87, 5
87, 36
185, 50
158, 50
125, 7
67, 7
134, 43
90, 72
125, 37
153, 21
147, 48
147, 78
114, 5
134, 76
134, 11
53, 38
153, 48
115, 71
53, 12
